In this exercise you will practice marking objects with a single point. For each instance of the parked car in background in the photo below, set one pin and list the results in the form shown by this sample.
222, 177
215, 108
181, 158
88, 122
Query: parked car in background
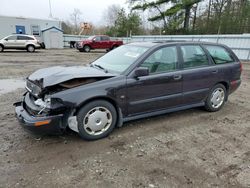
20, 42
98, 42
134, 81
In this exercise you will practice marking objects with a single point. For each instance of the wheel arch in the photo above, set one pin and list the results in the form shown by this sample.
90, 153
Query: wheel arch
105, 98
226, 85
114, 46
27, 45
87, 45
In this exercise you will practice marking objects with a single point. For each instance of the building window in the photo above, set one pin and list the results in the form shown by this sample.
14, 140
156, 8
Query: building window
35, 30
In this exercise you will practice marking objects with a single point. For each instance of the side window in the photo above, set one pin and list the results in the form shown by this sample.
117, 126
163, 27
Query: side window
11, 38
97, 38
193, 56
105, 38
35, 30
219, 54
162, 60
24, 38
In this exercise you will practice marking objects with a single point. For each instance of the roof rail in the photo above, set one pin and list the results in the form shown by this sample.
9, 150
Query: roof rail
166, 41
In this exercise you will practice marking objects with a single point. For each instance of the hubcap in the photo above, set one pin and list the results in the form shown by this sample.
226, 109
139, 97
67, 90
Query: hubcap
217, 98
97, 121
87, 48
31, 48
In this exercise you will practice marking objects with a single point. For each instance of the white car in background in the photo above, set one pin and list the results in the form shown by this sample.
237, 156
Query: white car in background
20, 42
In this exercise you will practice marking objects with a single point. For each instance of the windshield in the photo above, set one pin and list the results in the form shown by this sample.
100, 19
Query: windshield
121, 58
90, 38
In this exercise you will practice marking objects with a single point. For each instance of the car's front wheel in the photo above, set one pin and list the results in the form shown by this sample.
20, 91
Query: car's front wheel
30, 48
86, 48
1, 48
96, 120
216, 98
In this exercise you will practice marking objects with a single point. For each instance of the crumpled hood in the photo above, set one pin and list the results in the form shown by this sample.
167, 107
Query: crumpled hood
55, 75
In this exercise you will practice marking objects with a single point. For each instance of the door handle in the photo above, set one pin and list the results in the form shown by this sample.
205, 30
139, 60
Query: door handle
177, 77
215, 71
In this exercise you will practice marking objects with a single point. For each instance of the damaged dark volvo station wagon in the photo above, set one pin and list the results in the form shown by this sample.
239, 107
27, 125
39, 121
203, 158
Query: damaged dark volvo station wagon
133, 81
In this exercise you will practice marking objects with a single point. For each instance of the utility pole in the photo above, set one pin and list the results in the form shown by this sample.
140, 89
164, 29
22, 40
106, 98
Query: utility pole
50, 11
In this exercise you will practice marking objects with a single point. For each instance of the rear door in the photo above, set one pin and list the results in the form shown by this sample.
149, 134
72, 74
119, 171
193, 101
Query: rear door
161, 89
21, 41
199, 75
227, 63
105, 42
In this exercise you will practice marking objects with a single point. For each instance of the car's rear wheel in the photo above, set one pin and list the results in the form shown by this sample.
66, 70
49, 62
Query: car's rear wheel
30, 48
216, 98
114, 47
96, 120
1, 48
86, 48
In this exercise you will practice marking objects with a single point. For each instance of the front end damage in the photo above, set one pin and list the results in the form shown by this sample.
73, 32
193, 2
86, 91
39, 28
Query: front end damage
40, 112
43, 114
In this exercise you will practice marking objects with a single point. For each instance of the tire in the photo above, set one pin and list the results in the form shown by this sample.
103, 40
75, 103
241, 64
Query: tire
30, 48
1, 48
87, 48
114, 47
81, 50
96, 120
216, 98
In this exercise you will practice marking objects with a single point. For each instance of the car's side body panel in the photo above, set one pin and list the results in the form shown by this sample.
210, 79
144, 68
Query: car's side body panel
153, 94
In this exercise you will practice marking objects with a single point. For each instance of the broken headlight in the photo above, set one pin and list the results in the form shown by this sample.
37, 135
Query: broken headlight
33, 88
46, 103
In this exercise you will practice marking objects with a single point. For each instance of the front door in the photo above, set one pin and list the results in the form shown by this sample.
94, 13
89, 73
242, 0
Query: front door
96, 44
10, 42
161, 89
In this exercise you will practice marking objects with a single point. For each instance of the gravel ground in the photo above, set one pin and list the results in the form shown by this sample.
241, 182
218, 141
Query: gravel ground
191, 148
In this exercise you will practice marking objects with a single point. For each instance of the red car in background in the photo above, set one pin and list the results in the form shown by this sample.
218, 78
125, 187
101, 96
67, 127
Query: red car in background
98, 42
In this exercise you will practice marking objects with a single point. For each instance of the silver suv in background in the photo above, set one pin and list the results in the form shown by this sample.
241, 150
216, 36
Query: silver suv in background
20, 42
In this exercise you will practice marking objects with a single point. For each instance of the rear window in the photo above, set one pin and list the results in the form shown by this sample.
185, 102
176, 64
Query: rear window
219, 54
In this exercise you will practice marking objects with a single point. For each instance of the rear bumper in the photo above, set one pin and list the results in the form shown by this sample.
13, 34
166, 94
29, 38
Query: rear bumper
40, 125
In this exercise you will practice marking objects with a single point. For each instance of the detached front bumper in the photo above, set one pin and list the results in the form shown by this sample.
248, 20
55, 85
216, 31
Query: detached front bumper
41, 125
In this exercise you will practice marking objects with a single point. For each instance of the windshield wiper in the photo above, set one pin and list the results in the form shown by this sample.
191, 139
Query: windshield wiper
100, 67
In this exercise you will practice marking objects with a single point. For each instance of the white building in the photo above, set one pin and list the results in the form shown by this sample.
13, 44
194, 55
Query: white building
48, 31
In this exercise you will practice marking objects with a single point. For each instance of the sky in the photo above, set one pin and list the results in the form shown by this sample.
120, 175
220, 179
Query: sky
92, 10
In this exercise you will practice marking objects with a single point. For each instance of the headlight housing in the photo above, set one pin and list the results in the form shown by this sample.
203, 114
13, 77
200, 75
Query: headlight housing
44, 104
33, 88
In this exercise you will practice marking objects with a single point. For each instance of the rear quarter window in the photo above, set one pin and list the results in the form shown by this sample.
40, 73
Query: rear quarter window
219, 54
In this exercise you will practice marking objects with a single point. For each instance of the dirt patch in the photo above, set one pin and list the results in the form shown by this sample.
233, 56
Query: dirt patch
191, 148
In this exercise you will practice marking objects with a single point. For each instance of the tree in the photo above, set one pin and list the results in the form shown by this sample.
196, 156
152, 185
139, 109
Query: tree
167, 9
110, 14
67, 27
75, 18
125, 24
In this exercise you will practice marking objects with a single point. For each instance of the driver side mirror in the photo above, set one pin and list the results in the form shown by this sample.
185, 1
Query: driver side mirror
141, 71
94, 40
6, 39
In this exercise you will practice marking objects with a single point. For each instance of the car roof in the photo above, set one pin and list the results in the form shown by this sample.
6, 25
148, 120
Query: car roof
22, 35
166, 42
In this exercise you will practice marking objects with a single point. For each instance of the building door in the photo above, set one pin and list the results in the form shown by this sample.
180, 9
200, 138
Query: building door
54, 39
20, 29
